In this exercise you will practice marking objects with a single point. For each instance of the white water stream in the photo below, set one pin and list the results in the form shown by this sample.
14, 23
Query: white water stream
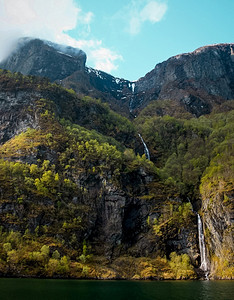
202, 246
146, 150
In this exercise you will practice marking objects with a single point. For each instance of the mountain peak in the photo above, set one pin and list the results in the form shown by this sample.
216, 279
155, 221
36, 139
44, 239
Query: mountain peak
43, 58
197, 80
212, 48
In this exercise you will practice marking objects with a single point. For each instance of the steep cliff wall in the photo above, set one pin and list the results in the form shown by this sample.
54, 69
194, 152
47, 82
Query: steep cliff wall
42, 58
66, 66
197, 80
218, 213
70, 180
68, 177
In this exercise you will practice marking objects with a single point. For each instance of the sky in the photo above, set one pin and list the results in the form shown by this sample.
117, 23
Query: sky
125, 38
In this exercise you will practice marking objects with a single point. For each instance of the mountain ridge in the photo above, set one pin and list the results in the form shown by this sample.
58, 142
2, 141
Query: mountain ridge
78, 196
182, 78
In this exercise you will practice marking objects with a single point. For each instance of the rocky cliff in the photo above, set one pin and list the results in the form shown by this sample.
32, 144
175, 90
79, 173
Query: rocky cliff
218, 216
66, 66
197, 81
67, 177
77, 198
45, 59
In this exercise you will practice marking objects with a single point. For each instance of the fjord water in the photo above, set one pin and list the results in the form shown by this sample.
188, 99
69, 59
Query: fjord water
42, 289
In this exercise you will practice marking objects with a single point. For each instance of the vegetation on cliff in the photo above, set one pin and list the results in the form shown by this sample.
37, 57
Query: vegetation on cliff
38, 255
65, 174
196, 156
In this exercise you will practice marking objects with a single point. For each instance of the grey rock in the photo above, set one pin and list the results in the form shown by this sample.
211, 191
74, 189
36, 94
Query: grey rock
218, 218
45, 59
197, 80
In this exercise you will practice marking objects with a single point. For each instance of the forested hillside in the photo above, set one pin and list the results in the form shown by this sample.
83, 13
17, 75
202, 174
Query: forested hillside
79, 198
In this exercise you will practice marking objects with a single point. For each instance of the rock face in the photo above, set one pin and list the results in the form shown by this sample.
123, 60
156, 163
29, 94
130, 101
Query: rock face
197, 80
66, 65
42, 58
14, 119
114, 216
218, 217
117, 219
94, 83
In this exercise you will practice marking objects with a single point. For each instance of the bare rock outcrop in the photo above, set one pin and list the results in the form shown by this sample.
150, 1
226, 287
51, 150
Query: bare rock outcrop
45, 59
197, 80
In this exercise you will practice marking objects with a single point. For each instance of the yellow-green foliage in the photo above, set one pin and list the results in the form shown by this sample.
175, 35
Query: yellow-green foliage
217, 180
26, 255
22, 144
134, 162
183, 149
172, 217
165, 107
181, 267
178, 267
46, 190
217, 189
107, 121
186, 153
18, 181
49, 133
27, 143
78, 133
12, 80
223, 265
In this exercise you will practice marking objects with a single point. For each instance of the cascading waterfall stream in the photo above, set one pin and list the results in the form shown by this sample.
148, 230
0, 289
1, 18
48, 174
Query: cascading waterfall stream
132, 85
146, 150
202, 246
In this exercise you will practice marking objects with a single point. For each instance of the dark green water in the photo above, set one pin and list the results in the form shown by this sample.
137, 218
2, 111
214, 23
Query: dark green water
35, 289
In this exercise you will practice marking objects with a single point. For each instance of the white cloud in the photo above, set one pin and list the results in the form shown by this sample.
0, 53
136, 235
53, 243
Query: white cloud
140, 11
105, 59
87, 18
99, 57
153, 11
42, 18
50, 19
134, 25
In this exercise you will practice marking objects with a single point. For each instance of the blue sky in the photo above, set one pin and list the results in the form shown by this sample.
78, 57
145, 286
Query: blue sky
124, 38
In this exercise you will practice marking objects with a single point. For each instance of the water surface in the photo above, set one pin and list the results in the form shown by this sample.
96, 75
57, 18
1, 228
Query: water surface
43, 289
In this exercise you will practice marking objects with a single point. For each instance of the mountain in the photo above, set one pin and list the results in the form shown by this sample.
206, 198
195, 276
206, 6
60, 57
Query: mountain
66, 65
45, 59
79, 196
197, 81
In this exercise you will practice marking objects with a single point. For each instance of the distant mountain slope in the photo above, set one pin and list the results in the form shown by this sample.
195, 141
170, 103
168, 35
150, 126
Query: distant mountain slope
45, 59
197, 81
18, 95
66, 66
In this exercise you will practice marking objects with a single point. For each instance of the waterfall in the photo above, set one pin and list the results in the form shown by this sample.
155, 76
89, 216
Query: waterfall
132, 85
202, 247
146, 150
